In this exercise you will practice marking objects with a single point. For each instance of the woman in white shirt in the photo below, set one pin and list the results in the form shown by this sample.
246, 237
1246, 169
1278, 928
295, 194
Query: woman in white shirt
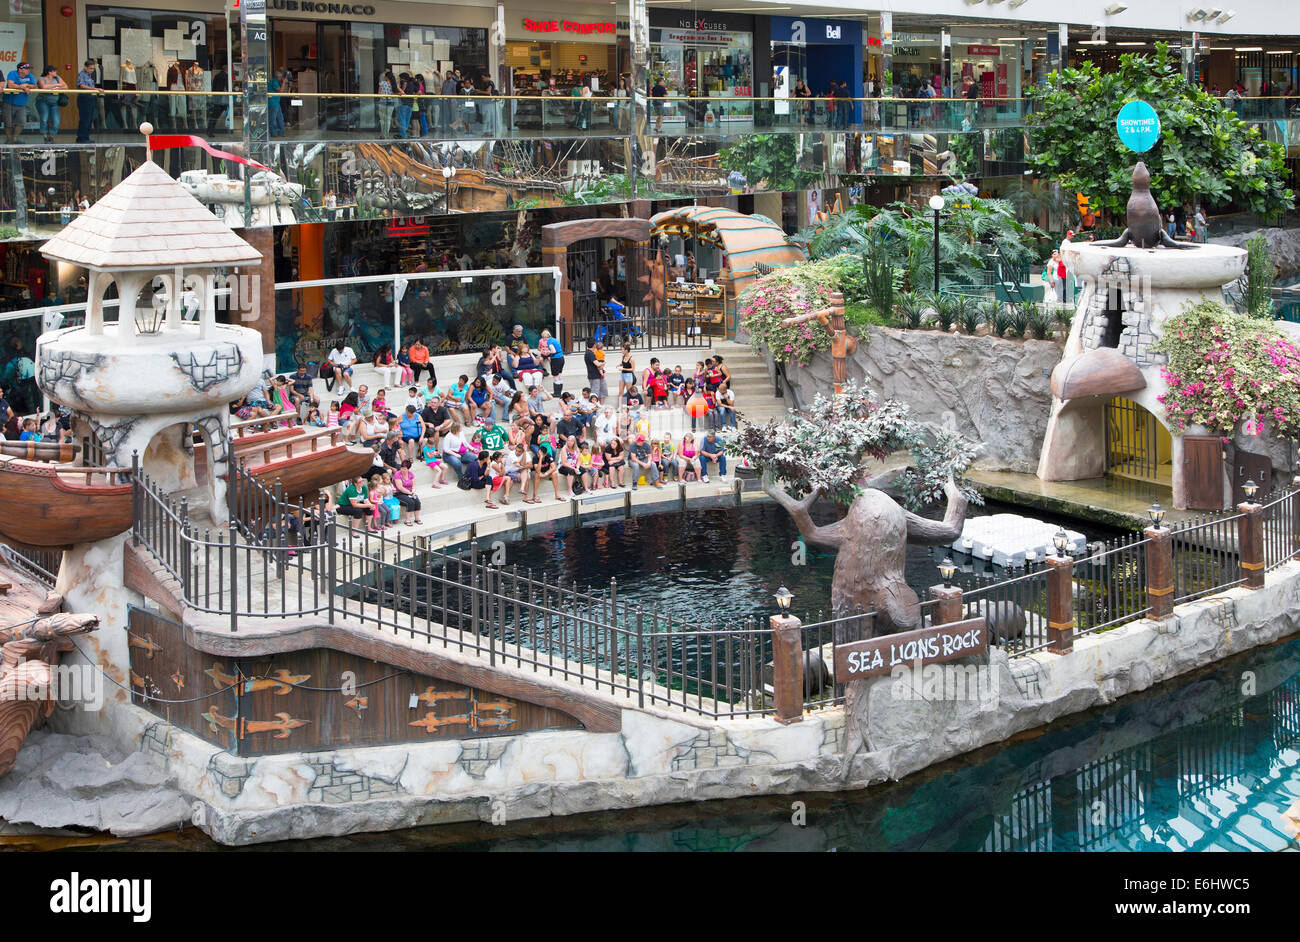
454, 449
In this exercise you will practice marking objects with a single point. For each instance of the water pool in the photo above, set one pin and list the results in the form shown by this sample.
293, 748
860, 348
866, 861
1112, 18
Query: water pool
718, 565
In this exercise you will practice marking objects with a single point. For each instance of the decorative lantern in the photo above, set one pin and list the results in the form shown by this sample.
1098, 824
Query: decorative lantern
696, 407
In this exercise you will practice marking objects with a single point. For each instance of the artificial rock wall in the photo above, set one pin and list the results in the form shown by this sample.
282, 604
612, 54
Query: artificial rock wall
992, 390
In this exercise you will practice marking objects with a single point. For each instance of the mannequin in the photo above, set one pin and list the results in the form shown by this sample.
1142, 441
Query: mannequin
195, 81
176, 109
130, 115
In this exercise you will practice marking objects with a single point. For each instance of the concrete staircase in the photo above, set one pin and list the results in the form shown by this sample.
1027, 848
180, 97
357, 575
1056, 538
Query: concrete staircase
756, 398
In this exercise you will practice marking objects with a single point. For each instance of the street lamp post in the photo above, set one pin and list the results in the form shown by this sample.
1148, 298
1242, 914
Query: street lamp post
937, 204
448, 171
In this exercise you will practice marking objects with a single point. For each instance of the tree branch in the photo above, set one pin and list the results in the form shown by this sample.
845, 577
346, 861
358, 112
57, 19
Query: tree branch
926, 532
828, 537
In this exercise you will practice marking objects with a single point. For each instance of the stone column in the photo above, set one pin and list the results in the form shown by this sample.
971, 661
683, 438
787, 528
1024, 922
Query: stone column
947, 604
1060, 613
260, 314
1250, 541
255, 59
787, 668
1160, 571
639, 152
886, 59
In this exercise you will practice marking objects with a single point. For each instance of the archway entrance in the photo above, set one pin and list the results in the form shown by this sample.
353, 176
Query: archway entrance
1138, 446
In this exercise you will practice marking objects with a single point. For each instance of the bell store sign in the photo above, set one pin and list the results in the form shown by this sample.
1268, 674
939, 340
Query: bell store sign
13, 38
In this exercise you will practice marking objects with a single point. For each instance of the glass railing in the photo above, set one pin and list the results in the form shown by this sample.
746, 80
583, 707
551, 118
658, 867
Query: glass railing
357, 180
115, 115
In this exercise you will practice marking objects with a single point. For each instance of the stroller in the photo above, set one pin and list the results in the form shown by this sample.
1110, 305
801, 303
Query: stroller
617, 325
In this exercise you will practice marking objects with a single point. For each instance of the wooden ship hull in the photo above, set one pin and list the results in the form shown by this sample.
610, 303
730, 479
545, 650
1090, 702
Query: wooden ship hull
303, 475
53, 507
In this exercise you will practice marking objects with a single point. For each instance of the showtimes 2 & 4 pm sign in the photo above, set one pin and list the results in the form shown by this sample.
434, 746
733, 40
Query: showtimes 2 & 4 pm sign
913, 649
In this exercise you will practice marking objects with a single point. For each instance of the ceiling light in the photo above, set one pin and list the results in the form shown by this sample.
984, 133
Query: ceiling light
1213, 13
1093, 42
1115, 9
1011, 39
1197, 14
1130, 44
1227, 16
1279, 52
1250, 48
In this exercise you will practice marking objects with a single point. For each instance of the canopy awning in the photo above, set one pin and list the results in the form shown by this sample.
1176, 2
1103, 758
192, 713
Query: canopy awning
746, 239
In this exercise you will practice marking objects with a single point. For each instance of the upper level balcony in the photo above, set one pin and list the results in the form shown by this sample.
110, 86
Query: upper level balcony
373, 156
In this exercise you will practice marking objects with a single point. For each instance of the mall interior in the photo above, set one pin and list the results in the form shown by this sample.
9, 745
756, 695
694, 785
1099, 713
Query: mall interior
417, 137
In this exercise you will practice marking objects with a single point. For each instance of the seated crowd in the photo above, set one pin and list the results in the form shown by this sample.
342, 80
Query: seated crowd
500, 432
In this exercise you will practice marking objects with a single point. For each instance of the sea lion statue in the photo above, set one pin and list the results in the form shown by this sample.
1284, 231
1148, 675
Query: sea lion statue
1145, 230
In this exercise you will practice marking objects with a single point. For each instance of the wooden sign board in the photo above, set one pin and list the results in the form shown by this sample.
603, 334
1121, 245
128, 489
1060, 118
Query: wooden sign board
860, 659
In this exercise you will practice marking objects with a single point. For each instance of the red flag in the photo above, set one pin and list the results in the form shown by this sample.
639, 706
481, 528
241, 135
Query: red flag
168, 141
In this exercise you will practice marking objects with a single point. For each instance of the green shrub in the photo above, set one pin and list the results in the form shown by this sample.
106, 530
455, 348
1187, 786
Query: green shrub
862, 314
966, 312
1256, 298
880, 280
1062, 317
1017, 321
1226, 368
945, 314
909, 309
1039, 324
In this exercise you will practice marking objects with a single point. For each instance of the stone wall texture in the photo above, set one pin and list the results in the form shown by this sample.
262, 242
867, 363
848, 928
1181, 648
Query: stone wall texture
991, 390
1283, 243
877, 737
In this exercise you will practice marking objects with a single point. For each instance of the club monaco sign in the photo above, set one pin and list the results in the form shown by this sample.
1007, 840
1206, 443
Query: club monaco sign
329, 9
911, 649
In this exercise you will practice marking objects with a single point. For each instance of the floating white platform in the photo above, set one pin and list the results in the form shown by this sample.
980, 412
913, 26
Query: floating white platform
1007, 539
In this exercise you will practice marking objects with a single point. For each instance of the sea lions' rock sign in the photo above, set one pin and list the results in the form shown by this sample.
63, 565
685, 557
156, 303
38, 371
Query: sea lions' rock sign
1144, 228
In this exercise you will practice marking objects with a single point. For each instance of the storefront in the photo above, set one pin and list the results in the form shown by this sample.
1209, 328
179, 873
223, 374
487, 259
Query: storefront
819, 52
546, 49
149, 50
918, 58
335, 49
994, 64
710, 57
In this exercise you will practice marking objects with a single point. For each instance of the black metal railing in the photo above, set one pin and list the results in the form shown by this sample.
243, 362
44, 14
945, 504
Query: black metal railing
1207, 556
1110, 585
642, 333
285, 560
42, 565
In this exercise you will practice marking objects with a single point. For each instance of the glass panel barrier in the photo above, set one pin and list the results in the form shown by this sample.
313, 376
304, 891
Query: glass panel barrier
451, 312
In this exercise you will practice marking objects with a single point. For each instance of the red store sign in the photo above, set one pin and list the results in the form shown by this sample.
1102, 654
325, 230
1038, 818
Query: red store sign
983, 50
568, 26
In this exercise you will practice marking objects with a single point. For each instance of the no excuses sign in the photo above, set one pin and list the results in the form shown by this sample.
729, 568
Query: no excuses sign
860, 659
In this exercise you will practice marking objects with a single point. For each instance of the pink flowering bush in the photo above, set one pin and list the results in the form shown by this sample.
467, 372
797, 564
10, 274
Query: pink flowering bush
785, 293
1227, 368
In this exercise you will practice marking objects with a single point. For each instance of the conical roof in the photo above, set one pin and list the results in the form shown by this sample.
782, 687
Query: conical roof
149, 221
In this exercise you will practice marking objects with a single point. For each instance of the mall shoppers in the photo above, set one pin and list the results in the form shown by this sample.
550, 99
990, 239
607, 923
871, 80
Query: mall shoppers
15, 102
87, 103
47, 106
